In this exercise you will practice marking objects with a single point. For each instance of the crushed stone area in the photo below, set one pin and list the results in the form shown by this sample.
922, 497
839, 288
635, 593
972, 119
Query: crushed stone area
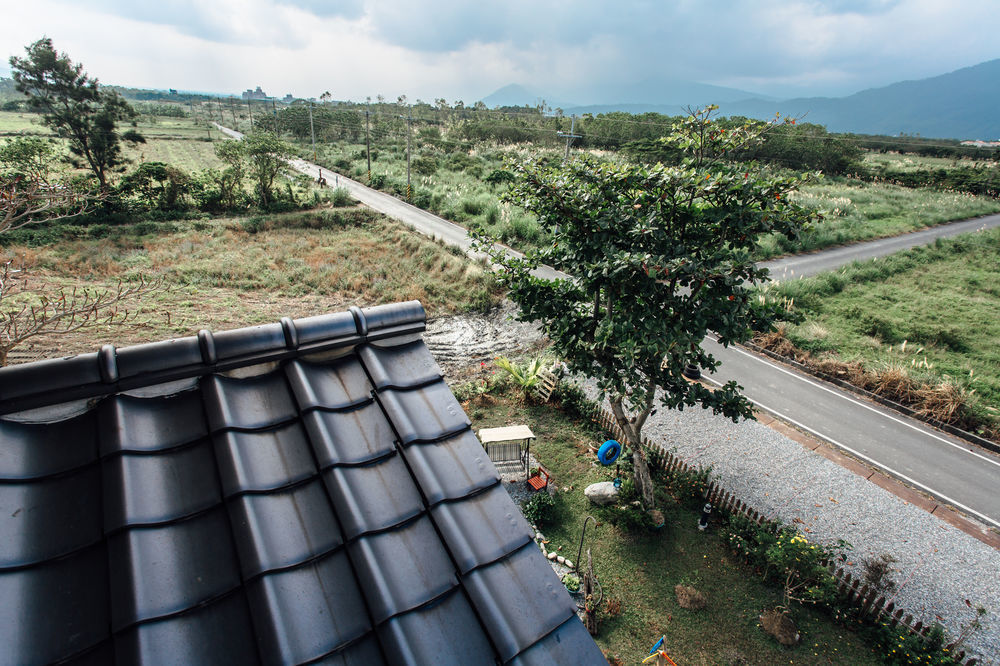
939, 566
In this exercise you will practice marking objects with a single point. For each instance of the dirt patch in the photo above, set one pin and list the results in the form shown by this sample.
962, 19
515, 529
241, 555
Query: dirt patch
779, 625
688, 597
462, 340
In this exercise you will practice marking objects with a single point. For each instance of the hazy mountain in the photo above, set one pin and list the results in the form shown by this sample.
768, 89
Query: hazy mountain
964, 104
518, 95
648, 95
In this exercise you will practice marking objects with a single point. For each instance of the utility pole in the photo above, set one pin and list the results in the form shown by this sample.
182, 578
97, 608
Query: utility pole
409, 127
569, 137
274, 110
233, 109
222, 119
311, 130
368, 141
250, 109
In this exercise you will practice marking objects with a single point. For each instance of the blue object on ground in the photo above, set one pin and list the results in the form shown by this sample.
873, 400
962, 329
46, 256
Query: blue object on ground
609, 452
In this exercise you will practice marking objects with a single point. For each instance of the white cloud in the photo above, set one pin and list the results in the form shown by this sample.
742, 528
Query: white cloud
457, 49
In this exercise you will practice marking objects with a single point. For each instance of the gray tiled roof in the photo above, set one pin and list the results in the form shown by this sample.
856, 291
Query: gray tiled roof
303, 491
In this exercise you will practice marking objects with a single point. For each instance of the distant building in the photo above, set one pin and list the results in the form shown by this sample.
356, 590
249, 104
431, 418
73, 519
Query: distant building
288, 99
173, 91
254, 94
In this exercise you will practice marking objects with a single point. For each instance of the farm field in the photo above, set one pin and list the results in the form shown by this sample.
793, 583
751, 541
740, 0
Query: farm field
638, 572
928, 313
227, 273
181, 142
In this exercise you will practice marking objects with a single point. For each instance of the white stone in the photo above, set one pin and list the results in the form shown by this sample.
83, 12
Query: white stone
552, 555
560, 559
602, 493
538, 536
568, 564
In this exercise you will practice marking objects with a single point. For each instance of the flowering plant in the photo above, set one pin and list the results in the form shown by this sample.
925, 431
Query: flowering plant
803, 566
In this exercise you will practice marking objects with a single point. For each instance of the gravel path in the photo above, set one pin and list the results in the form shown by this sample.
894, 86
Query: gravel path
939, 566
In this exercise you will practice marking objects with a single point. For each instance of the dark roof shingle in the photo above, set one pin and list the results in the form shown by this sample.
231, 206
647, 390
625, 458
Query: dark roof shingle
301, 491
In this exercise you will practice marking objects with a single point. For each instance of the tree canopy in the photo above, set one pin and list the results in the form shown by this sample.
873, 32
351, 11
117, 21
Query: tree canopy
659, 258
75, 106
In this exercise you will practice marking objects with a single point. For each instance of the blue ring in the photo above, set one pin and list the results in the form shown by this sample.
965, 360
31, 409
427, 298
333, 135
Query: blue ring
609, 452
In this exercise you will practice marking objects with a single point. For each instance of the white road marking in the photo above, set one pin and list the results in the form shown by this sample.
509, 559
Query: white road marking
872, 461
838, 394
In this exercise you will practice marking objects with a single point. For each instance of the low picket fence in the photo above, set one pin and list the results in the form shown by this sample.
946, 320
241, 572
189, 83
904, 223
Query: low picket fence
870, 604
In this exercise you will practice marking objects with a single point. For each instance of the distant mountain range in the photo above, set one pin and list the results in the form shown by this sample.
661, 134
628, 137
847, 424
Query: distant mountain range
964, 104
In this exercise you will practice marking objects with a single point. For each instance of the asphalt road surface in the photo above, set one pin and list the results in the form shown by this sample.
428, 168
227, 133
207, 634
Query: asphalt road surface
945, 467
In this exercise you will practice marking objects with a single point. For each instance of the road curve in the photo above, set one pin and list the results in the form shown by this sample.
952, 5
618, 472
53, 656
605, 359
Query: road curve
945, 467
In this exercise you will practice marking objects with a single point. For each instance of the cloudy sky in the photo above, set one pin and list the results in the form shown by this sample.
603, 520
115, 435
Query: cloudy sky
466, 49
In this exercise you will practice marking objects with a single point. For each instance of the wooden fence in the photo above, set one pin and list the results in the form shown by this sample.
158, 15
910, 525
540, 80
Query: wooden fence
870, 604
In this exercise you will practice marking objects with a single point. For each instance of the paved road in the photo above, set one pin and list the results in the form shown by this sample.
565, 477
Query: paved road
804, 265
948, 468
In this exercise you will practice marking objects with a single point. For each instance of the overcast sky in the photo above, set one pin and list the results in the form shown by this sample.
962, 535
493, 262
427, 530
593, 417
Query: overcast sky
466, 49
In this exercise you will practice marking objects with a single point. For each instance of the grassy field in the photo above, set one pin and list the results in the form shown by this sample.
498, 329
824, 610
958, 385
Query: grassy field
857, 211
452, 184
449, 184
638, 573
13, 123
228, 273
182, 142
941, 301
899, 162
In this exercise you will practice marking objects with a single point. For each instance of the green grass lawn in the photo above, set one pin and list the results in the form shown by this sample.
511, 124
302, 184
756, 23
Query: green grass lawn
942, 300
638, 573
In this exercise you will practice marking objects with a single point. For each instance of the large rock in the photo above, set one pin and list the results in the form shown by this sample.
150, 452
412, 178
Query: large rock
602, 493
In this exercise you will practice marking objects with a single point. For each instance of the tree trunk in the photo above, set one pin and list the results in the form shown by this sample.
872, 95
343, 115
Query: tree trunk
632, 428
643, 480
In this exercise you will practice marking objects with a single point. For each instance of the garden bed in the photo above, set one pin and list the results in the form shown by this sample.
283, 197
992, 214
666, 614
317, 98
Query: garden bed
638, 572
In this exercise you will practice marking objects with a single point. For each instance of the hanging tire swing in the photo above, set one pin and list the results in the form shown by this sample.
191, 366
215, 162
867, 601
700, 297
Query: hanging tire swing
609, 452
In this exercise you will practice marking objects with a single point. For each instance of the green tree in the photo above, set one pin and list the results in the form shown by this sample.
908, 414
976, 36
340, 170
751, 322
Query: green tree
28, 157
660, 256
230, 179
31, 192
76, 107
266, 156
